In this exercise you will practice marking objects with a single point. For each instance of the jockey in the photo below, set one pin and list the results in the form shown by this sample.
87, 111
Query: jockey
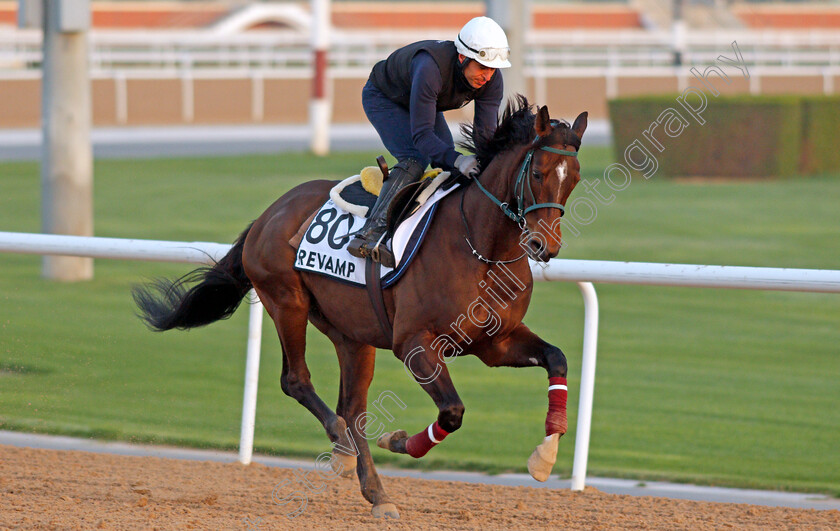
404, 98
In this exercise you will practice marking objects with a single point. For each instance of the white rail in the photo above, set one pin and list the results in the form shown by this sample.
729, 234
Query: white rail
158, 251
119, 248
584, 272
690, 275
114, 50
686, 275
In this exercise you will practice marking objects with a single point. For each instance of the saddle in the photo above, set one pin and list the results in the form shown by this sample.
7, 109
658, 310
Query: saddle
321, 242
358, 194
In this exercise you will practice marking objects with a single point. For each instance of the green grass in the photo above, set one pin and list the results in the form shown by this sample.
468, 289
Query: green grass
718, 387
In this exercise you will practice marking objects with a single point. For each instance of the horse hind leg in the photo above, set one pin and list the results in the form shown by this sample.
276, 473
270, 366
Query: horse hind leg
289, 311
357, 362
343, 461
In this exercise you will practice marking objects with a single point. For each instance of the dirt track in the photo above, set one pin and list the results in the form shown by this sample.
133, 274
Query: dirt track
48, 489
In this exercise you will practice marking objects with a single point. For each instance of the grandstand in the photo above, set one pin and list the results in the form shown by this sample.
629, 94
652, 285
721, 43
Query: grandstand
230, 62
547, 14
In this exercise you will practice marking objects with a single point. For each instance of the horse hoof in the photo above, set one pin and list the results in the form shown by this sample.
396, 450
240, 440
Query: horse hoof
386, 511
390, 441
542, 459
342, 464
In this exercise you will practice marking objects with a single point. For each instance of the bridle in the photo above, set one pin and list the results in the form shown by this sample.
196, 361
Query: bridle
522, 183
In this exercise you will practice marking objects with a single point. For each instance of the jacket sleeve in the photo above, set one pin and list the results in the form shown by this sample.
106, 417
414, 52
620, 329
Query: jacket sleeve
426, 83
486, 115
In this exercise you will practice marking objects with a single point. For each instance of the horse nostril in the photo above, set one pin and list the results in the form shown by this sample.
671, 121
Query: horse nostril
540, 253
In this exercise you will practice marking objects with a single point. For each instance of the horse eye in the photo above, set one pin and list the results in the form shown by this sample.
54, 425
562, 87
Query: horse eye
537, 174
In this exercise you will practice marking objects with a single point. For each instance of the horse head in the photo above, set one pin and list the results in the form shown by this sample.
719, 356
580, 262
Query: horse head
549, 172
529, 167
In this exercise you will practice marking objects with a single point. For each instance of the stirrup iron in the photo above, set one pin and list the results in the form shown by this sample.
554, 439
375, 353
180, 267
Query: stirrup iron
382, 254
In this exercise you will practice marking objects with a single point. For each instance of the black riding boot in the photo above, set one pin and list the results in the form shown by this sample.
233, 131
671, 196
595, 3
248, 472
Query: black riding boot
367, 241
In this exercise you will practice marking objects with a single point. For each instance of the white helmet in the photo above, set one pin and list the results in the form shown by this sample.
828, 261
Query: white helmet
485, 41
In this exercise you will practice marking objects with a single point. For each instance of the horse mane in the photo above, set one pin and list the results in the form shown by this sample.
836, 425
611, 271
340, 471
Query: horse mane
514, 128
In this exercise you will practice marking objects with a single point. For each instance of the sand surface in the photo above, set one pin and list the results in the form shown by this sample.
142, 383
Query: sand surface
49, 489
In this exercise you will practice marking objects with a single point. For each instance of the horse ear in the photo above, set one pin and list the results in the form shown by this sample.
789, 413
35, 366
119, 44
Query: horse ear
543, 123
580, 124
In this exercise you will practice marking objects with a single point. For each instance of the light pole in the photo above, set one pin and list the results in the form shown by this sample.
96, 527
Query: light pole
319, 107
67, 156
514, 16
678, 32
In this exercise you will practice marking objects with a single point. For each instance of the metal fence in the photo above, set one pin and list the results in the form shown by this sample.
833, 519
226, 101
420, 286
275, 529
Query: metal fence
583, 272
114, 51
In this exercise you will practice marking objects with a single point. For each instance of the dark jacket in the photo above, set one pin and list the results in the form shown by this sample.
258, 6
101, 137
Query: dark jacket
426, 78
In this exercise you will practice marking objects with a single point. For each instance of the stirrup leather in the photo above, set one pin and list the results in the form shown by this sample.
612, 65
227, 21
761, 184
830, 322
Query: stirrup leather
377, 255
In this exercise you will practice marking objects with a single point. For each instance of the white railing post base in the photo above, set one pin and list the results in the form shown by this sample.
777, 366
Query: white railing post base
252, 374
587, 383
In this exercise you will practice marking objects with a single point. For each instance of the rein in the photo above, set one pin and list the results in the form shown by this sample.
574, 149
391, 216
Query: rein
519, 189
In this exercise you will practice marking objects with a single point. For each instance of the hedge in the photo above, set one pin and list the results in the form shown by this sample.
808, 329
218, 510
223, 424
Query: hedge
743, 136
820, 134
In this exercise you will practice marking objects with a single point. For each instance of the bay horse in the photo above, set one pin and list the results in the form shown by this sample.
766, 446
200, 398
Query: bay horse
466, 291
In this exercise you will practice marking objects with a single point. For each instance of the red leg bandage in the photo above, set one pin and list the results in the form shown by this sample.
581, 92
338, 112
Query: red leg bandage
555, 421
420, 444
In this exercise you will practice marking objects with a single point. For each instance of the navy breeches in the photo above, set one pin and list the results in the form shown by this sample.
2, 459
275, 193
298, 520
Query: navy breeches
393, 123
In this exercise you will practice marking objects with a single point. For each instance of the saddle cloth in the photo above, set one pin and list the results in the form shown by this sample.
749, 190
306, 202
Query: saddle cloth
323, 247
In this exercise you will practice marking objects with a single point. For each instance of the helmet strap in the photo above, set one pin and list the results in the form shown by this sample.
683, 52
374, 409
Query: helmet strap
462, 77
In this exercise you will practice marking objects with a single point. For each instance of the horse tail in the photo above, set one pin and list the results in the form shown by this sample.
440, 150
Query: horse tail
166, 304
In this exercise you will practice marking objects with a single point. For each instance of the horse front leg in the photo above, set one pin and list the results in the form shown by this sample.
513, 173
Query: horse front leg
523, 348
422, 362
